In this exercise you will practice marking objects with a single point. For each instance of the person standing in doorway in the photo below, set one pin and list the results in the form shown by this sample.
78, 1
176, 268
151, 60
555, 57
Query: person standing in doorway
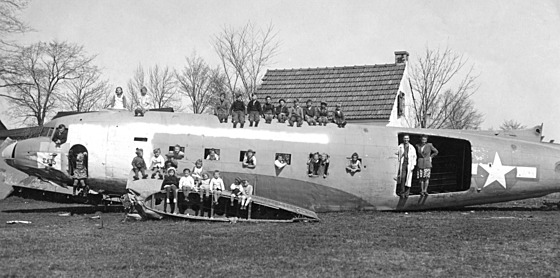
426, 151
407, 162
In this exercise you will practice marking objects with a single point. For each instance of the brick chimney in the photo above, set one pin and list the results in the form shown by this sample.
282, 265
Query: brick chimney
401, 57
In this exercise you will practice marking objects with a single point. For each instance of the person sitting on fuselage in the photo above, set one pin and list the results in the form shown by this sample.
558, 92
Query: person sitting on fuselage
186, 183
338, 117
268, 110
310, 113
282, 111
157, 164
246, 196
323, 113
139, 165
236, 190
296, 114
169, 185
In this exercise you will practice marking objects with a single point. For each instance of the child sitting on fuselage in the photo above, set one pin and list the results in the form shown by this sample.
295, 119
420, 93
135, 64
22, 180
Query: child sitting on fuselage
247, 193
197, 170
323, 113
204, 188
186, 183
139, 165
169, 185
216, 186
236, 190
158, 164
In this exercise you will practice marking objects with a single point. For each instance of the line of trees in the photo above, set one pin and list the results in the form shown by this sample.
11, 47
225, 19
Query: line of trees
42, 77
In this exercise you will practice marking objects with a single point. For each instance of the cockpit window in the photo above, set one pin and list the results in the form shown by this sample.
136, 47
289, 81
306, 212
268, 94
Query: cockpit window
47, 131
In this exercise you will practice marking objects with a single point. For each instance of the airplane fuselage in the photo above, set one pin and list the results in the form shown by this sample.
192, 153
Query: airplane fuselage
470, 169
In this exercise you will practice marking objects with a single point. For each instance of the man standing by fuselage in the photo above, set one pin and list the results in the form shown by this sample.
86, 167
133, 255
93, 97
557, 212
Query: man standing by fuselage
407, 162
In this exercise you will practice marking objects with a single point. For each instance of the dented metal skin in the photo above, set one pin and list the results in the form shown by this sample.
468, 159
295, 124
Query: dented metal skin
493, 168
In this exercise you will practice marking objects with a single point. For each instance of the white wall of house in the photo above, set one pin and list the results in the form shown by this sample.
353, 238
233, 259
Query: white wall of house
407, 120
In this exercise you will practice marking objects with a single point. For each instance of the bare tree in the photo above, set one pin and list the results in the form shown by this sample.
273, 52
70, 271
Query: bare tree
9, 18
86, 93
200, 84
512, 125
244, 53
161, 86
439, 101
134, 85
36, 74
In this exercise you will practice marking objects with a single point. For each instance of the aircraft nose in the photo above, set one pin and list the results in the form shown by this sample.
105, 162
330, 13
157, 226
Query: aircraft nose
8, 151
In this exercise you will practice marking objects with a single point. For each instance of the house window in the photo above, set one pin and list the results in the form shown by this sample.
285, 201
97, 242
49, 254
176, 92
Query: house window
400, 104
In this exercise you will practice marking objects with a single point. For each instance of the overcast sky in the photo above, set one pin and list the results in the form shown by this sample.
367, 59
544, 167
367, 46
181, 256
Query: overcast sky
514, 45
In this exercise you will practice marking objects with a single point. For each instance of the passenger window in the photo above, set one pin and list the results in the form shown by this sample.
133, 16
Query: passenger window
286, 157
177, 151
354, 164
318, 164
212, 154
248, 158
140, 139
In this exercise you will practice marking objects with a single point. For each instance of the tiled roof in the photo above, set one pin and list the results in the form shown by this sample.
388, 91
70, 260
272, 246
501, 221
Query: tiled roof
365, 92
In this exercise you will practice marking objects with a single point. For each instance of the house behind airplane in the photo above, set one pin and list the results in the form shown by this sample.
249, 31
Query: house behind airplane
369, 94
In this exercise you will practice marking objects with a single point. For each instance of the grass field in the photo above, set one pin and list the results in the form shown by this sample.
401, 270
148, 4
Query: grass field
514, 239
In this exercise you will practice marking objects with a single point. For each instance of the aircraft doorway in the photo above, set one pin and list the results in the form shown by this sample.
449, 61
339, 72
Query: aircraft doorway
78, 167
451, 168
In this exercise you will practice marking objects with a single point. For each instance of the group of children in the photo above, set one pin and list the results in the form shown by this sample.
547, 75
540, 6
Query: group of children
294, 114
195, 180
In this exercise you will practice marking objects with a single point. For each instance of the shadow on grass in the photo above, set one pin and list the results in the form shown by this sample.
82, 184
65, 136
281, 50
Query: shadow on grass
72, 210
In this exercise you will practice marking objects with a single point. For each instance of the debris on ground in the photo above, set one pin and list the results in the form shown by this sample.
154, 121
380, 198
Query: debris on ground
18, 222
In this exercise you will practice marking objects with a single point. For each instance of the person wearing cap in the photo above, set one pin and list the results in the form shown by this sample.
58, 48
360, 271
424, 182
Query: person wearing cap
338, 117
237, 111
282, 111
254, 110
142, 103
139, 165
249, 160
236, 189
247, 193
60, 136
177, 153
323, 114
310, 113
268, 110
170, 185
221, 109
118, 101
296, 114
354, 165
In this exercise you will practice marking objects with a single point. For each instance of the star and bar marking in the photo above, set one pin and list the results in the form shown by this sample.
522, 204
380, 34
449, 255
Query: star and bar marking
497, 171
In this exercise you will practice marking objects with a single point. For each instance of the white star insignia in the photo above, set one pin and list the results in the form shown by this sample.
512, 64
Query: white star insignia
496, 171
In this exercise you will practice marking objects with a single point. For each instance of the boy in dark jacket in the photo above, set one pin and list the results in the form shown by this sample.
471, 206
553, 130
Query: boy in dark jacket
268, 110
254, 110
238, 112
139, 165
